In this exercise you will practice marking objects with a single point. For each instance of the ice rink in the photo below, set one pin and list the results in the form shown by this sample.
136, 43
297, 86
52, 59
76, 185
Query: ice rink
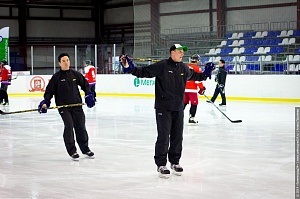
221, 160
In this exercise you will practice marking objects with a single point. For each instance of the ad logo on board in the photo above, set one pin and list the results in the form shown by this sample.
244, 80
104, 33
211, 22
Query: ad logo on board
37, 83
143, 82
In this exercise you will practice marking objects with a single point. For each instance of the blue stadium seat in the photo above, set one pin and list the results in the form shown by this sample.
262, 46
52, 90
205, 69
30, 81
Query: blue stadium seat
279, 49
250, 50
273, 33
249, 34
279, 67
229, 42
252, 67
278, 40
258, 42
229, 67
249, 42
266, 42
296, 33
252, 58
273, 42
228, 58
204, 59
273, 50
228, 35
225, 51
297, 50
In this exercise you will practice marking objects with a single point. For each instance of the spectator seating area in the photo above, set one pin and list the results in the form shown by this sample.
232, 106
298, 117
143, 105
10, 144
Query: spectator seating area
262, 51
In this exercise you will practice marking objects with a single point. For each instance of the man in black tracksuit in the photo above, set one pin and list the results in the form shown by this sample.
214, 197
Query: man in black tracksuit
220, 87
64, 86
171, 76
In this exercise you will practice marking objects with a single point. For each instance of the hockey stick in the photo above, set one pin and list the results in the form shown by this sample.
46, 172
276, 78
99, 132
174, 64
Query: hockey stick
146, 59
154, 60
31, 110
15, 77
233, 121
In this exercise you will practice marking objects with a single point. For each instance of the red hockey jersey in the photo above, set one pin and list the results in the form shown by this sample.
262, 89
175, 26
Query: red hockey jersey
192, 86
5, 73
90, 74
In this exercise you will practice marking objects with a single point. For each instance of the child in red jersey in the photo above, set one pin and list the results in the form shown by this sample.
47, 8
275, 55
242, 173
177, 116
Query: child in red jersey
5, 73
192, 89
90, 76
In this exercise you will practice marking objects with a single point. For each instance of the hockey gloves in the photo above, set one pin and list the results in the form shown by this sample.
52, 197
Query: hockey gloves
202, 90
126, 63
42, 108
90, 100
209, 67
216, 78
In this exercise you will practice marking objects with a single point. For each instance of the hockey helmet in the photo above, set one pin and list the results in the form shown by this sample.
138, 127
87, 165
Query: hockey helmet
3, 62
195, 58
88, 62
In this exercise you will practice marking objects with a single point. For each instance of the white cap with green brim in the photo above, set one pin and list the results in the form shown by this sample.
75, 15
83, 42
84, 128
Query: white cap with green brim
178, 47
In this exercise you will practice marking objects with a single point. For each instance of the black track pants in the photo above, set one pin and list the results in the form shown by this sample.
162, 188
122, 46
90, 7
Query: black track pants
74, 118
169, 138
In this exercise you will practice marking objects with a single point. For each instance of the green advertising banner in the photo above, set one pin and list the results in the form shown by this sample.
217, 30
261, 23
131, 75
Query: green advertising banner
4, 37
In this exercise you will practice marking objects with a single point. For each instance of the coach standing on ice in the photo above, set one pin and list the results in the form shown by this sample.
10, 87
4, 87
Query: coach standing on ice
170, 80
64, 87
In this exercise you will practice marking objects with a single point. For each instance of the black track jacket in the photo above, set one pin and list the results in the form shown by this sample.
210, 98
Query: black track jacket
170, 81
221, 76
64, 86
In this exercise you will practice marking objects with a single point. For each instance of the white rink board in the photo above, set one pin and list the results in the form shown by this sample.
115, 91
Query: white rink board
247, 86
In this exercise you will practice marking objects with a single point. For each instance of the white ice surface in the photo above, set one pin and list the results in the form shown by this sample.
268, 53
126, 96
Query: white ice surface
221, 160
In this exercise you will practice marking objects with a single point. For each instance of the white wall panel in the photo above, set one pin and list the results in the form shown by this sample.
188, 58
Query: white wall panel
182, 21
77, 13
262, 15
142, 13
37, 28
179, 6
239, 3
118, 15
38, 12
4, 11
13, 27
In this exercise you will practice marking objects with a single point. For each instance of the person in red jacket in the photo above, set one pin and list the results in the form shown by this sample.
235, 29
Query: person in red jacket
5, 73
192, 89
90, 76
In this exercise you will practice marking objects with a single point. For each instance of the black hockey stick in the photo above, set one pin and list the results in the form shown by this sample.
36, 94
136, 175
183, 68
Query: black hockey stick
146, 59
31, 110
233, 121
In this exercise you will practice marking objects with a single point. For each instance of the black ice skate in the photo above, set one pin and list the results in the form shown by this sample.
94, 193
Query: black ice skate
89, 154
176, 169
164, 172
75, 156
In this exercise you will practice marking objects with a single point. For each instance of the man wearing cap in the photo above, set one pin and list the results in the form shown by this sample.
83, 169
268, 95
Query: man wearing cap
171, 76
